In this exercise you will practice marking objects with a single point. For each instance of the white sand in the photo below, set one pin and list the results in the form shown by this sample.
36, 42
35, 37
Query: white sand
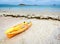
44, 13
41, 31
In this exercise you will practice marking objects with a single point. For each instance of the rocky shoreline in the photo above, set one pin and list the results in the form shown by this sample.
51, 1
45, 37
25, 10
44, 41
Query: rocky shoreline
33, 17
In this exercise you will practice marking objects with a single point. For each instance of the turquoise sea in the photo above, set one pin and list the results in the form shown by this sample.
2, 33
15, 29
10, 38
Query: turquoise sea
31, 7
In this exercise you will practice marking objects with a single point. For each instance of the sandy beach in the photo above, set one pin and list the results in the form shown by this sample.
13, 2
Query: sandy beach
44, 15
41, 31
30, 12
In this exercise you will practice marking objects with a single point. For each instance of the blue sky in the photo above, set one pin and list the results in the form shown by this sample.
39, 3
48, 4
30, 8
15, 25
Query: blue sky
31, 2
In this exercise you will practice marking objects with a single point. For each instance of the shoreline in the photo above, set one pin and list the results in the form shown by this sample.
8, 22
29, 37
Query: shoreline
45, 27
33, 17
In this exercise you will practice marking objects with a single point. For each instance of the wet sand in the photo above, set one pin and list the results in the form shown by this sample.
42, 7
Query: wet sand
41, 31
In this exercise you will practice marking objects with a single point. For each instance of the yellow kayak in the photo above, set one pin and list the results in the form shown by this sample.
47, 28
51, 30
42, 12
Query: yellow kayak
17, 29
